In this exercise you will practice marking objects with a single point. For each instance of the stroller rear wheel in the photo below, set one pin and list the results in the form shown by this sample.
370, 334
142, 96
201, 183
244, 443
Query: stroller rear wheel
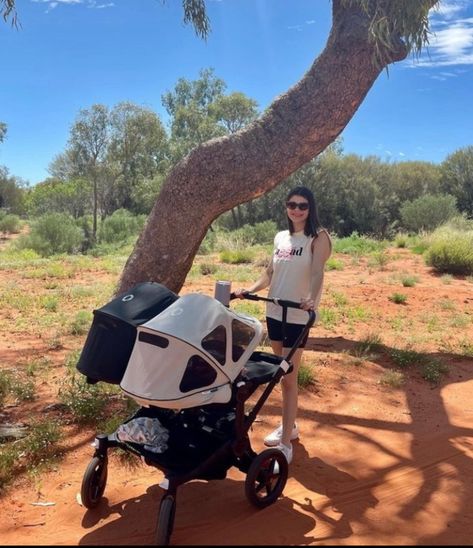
93, 482
266, 478
167, 511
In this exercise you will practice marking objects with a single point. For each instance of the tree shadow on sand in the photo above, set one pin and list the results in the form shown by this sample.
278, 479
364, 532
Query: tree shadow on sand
207, 513
449, 461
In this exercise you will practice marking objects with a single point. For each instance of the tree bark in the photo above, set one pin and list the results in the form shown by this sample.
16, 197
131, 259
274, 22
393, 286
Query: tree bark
222, 173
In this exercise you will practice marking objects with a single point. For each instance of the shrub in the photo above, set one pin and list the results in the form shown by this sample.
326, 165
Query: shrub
428, 212
451, 251
237, 256
86, 402
357, 245
398, 298
10, 224
120, 226
52, 234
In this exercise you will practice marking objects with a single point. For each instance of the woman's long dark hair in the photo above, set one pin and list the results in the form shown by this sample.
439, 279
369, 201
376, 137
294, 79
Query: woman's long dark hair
312, 223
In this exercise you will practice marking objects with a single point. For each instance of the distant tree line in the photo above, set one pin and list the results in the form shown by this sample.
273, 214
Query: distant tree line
117, 159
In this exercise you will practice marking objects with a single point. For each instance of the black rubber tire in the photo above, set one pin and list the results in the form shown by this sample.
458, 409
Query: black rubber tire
265, 481
94, 482
167, 512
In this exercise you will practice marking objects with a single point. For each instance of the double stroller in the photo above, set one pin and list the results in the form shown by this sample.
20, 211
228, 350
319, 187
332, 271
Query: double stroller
191, 364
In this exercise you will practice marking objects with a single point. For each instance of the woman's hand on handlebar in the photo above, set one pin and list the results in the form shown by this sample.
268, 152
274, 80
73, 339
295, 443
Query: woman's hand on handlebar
307, 304
240, 293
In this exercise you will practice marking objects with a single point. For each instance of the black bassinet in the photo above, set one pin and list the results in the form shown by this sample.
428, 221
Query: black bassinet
112, 335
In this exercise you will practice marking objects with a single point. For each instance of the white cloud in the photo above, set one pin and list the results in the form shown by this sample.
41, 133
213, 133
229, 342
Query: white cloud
451, 41
449, 8
295, 27
51, 4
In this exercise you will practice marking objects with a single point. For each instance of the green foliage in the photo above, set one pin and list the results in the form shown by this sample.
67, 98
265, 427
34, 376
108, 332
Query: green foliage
433, 370
398, 298
357, 245
305, 376
237, 256
12, 193
370, 343
51, 234
409, 280
10, 224
451, 251
81, 323
334, 264
36, 448
395, 379
53, 195
120, 227
259, 233
457, 178
5, 383
406, 357
85, 401
391, 22
428, 212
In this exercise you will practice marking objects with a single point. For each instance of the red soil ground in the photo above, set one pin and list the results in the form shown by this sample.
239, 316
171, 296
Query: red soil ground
374, 465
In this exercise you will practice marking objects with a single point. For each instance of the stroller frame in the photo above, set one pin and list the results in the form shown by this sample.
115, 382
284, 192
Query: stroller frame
266, 472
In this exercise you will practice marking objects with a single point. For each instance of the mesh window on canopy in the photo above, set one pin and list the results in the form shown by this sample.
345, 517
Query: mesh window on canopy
242, 335
198, 374
215, 343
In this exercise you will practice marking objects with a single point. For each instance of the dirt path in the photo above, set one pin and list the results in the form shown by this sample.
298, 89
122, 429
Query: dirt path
375, 465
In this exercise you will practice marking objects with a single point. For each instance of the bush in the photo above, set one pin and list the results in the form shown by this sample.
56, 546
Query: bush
357, 245
53, 234
10, 224
120, 227
451, 251
428, 212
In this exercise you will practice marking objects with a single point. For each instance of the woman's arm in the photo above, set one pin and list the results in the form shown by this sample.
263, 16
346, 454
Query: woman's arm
261, 283
321, 251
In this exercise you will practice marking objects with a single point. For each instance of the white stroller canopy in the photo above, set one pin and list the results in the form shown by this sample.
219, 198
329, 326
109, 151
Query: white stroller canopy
189, 354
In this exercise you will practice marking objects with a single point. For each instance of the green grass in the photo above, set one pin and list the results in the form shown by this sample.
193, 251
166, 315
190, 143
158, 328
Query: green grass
305, 376
394, 379
398, 298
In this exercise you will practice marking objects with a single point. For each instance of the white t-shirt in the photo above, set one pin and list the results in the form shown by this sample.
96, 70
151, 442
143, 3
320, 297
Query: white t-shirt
292, 271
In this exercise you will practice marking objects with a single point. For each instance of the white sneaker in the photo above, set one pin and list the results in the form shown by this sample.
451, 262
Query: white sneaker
164, 484
273, 439
286, 450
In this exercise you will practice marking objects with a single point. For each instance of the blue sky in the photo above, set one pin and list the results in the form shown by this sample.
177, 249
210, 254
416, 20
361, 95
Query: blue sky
70, 54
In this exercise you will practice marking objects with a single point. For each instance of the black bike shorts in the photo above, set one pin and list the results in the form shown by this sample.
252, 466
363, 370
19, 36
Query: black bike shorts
288, 336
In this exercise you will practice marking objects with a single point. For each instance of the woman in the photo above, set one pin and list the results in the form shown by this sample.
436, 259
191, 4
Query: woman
295, 273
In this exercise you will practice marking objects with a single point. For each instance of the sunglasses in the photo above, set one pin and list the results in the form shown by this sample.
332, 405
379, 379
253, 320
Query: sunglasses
303, 206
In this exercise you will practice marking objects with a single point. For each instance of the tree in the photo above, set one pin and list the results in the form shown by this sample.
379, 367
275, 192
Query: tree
12, 192
366, 36
457, 178
88, 142
138, 151
3, 131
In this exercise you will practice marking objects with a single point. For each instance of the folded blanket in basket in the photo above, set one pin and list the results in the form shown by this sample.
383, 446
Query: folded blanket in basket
145, 431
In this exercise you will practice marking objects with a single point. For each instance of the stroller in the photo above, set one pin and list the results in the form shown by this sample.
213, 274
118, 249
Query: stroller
192, 366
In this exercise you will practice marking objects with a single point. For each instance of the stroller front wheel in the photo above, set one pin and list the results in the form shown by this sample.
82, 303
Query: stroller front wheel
266, 478
93, 482
167, 511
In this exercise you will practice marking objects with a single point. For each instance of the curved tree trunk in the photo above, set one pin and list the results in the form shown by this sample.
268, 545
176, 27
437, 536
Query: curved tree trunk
228, 171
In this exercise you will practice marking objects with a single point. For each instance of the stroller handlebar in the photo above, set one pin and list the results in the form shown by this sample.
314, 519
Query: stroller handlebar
282, 302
